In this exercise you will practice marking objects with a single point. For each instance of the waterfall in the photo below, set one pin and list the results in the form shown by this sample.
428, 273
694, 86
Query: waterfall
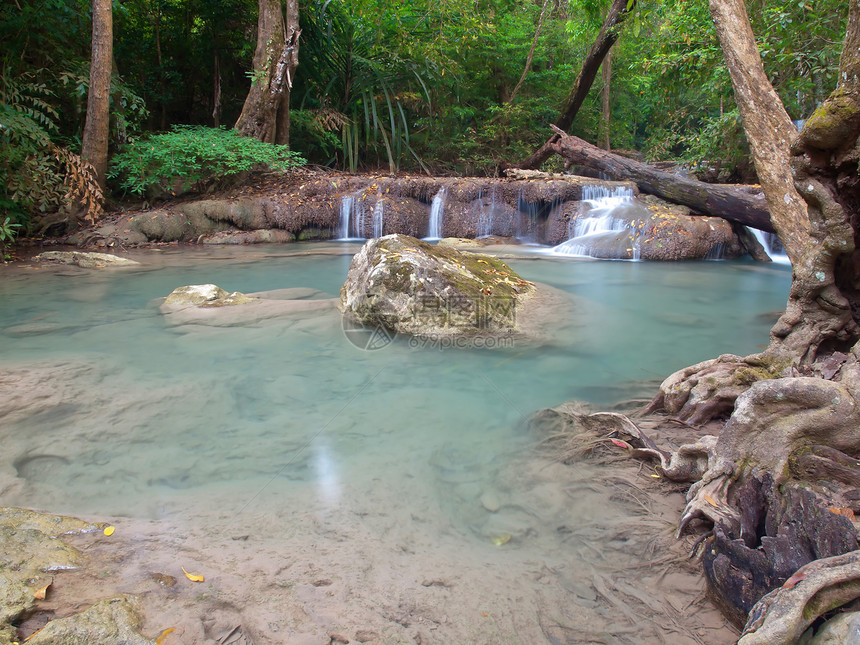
484, 227
351, 226
607, 222
437, 212
772, 246
346, 204
526, 226
377, 218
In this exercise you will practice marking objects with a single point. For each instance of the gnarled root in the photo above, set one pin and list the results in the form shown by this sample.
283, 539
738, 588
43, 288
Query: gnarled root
708, 390
782, 529
774, 422
816, 588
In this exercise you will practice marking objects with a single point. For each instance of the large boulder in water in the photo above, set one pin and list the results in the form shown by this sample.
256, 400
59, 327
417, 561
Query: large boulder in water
413, 287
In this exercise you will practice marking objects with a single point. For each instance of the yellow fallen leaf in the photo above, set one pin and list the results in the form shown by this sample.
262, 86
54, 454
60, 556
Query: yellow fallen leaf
109, 530
710, 500
193, 577
847, 512
41, 593
167, 632
499, 540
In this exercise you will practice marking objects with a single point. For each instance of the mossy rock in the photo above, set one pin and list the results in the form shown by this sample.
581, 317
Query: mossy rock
110, 622
204, 295
409, 286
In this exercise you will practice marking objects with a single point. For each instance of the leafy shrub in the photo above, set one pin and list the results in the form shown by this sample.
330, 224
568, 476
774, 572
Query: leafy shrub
37, 176
194, 157
7, 236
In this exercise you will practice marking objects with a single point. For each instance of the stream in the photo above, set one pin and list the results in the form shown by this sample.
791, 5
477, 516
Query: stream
328, 489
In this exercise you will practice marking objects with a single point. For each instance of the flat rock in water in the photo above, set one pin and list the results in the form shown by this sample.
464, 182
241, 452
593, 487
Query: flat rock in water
85, 260
412, 287
210, 305
204, 295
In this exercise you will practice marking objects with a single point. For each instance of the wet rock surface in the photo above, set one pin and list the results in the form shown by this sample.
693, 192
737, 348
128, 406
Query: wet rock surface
210, 305
412, 287
319, 206
32, 553
85, 260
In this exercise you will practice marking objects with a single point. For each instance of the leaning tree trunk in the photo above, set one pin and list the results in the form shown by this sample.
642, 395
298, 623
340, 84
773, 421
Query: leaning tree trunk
606, 102
265, 115
618, 11
710, 199
94, 145
812, 190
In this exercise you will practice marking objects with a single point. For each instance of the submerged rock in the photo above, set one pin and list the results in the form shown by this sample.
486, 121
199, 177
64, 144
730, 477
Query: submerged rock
412, 287
84, 260
109, 622
210, 305
31, 553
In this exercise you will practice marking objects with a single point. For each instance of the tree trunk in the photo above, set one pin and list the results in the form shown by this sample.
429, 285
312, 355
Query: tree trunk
794, 424
801, 189
708, 199
275, 62
605, 104
605, 39
94, 146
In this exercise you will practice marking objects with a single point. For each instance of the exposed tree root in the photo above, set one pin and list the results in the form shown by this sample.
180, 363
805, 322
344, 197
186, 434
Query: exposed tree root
785, 613
708, 390
780, 483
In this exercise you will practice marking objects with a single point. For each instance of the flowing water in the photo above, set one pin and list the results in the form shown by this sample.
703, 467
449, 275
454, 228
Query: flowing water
437, 214
608, 221
387, 471
772, 245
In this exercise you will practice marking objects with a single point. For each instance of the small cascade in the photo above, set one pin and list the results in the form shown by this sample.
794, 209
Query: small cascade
437, 212
608, 221
377, 218
772, 245
346, 205
351, 226
484, 227
527, 222
717, 252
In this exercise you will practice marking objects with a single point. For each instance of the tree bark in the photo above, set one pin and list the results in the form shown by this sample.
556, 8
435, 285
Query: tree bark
618, 11
806, 201
708, 199
265, 115
605, 102
94, 145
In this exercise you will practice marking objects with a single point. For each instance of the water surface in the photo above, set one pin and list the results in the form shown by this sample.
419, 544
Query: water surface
288, 421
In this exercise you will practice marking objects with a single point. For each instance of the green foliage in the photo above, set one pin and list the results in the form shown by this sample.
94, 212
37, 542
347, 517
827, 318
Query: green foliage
359, 84
194, 157
30, 181
7, 236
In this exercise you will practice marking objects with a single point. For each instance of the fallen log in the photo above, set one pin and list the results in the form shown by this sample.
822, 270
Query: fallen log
708, 199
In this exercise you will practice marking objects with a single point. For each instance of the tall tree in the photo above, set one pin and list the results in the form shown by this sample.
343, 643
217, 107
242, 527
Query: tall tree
266, 113
94, 146
788, 451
